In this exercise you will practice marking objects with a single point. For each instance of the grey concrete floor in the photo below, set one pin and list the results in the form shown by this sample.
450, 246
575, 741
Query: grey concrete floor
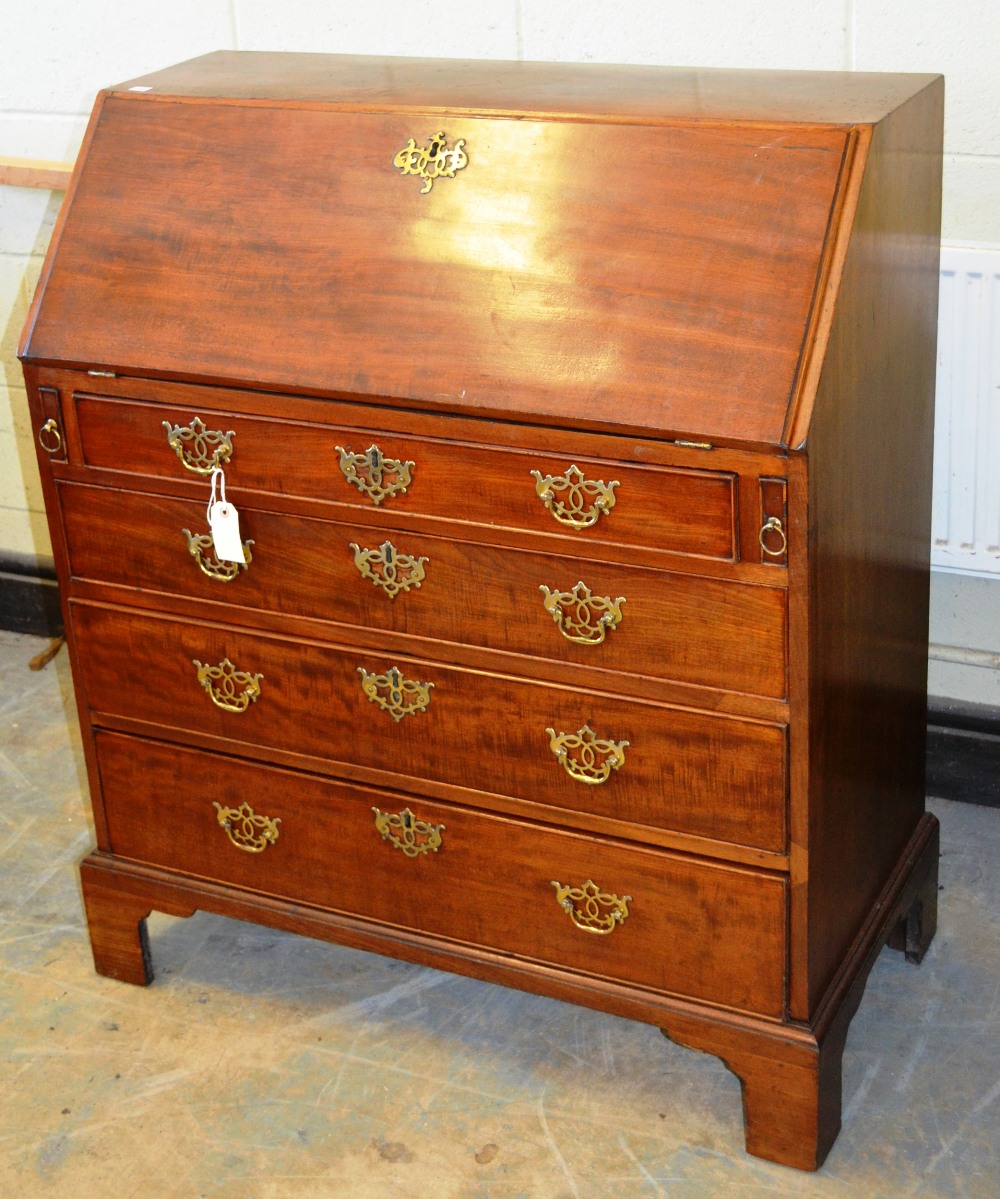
260, 1065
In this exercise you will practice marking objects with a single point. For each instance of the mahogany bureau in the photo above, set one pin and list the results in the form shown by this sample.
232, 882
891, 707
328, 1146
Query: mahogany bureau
578, 425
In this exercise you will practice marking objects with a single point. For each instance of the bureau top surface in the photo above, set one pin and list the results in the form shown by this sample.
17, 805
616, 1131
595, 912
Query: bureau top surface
628, 248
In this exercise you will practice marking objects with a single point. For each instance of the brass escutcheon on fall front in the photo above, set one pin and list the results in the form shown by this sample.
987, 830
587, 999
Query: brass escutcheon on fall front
582, 616
201, 547
590, 908
585, 757
435, 161
395, 694
408, 834
375, 475
573, 499
200, 449
230, 689
388, 569
247, 830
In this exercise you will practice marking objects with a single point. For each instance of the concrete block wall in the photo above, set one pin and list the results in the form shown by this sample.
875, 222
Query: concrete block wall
55, 56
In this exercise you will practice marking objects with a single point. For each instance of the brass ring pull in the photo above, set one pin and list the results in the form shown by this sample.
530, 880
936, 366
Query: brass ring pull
375, 475
49, 437
247, 830
582, 616
228, 688
590, 908
406, 833
773, 525
201, 547
199, 448
574, 500
584, 757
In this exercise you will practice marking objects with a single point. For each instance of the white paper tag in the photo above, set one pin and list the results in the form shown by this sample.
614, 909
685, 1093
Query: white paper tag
224, 521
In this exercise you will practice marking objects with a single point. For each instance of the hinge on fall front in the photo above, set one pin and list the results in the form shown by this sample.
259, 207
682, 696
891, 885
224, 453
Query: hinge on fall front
103, 374
695, 445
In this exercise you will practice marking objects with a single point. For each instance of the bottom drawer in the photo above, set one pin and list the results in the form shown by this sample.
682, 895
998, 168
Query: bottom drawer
656, 919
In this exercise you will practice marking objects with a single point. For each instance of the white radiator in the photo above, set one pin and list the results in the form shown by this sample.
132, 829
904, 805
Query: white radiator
966, 516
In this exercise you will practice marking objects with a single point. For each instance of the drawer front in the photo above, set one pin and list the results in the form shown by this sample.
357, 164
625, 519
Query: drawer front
690, 772
683, 926
665, 624
681, 511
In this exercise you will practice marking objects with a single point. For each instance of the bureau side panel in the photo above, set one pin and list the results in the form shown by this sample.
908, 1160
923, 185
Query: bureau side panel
869, 490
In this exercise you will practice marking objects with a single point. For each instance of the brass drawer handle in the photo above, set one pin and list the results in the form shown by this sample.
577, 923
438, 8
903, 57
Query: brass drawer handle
388, 568
373, 474
408, 834
574, 500
247, 830
582, 616
395, 694
49, 437
773, 525
200, 449
201, 547
584, 757
230, 689
590, 908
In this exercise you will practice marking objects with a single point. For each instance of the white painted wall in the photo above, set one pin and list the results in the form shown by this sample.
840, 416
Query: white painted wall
56, 54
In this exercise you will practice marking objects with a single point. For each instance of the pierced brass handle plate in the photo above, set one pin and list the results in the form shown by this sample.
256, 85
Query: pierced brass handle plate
375, 475
228, 688
582, 616
406, 833
49, 437
584, 757
199, 448
591, 909
574, 500
395, 694
201, 547
436, 161
772, 537
388, 569
245, 829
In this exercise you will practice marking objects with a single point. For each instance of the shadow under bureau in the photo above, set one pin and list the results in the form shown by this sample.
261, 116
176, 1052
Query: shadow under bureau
491, 504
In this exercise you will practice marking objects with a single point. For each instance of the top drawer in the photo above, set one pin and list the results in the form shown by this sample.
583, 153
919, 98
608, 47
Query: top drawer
367, 467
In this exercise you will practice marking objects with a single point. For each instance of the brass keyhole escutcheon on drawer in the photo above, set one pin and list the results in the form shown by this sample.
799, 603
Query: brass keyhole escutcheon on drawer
585, 757
388, 569
199, 448
230, 689
406, 833
201, 547
246, 829
395, 694
582, 616
375, 475
590, 908
573, 499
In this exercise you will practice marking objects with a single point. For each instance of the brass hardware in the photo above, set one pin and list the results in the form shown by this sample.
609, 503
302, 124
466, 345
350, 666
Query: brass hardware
54, 443
571, 497
773, 524
694, 445
395, 694
408, 834
373, 474
247, 830
581, 616
200, 449
201, 547
102, 374
584, 757
435, 161
590, 908
388, 568
230, 689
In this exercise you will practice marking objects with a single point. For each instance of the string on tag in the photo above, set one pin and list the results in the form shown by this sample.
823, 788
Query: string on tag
218, 476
